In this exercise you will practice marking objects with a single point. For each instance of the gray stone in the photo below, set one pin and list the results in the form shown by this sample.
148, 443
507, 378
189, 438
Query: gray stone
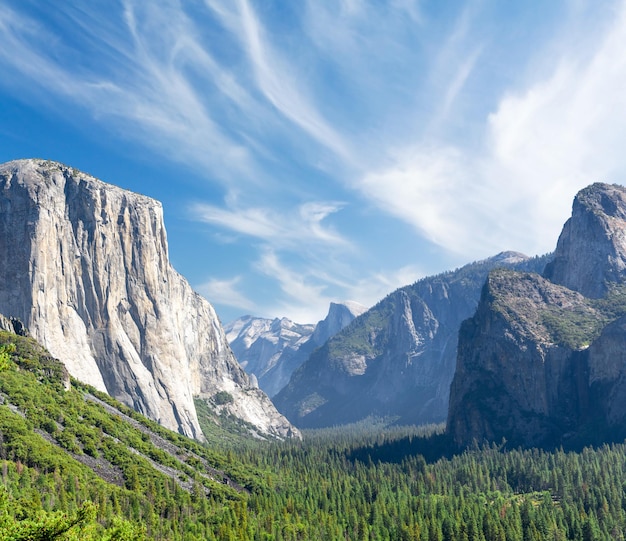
85, 266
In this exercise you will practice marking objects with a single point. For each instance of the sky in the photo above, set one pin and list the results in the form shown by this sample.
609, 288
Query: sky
316, 151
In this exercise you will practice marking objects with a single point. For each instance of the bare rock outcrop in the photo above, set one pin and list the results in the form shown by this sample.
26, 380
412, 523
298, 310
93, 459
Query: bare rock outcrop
542, 361
591, 250
85, 266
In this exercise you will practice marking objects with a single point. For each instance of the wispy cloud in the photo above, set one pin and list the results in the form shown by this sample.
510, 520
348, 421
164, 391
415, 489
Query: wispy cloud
442, 118
286, 229
149, 81
303, 297
540, 145
278, 79
307, 293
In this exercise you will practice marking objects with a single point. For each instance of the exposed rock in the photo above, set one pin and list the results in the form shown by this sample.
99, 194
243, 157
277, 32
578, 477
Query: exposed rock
85, 266
272, 349
515, 378
339, 316
542, 361
13, 325
397, 359
591, 251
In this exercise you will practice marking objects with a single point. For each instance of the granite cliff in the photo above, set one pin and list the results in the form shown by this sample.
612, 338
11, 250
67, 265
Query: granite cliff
542, 361
271, 350
397, 359
85, 266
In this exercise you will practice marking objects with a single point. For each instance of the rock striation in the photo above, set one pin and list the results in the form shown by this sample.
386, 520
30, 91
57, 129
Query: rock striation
397, 359
542, 361
272, 350
85, 266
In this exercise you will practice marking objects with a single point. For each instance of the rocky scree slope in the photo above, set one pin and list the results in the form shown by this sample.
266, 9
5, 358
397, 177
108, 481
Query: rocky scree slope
397, 359
85, 266
542, 361
271, 350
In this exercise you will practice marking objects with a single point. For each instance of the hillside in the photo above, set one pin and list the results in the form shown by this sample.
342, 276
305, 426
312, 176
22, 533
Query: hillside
74, 443
77, 465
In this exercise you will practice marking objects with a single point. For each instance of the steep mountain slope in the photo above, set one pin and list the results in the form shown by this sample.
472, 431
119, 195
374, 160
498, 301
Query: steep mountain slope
272, 349
63, 443
398, 358
542, 361
85, 267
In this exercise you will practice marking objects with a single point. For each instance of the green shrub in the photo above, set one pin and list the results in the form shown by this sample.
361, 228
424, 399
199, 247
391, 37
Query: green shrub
222, 398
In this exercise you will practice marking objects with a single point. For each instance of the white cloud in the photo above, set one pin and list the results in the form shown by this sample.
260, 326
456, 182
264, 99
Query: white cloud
370, 289
287, 229
278, 80
433, 190
148, 78
304, 298
308, 292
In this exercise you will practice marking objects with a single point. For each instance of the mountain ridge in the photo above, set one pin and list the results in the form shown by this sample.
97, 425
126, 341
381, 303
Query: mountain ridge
397, 359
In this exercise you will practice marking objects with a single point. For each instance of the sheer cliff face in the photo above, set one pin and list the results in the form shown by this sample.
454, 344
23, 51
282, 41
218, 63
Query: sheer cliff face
591, 251
542, 360
395, 360
85, 266
515, 378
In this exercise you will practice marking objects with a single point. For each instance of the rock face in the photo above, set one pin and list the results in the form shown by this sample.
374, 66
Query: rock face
397, 359
85, 266
542, 362
591, 251
272, 349
339, 316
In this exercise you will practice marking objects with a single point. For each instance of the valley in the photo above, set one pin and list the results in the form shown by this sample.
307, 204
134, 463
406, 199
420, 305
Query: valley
391, 431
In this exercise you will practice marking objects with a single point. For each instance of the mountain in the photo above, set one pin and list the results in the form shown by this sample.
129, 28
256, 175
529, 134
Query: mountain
397, 359
85, 267
271, 349
542, 361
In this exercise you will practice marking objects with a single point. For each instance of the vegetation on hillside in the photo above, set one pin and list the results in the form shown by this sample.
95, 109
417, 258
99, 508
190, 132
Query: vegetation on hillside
76, 464
578, 327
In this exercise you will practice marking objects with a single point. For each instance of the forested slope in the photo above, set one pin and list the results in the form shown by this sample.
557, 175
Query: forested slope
67, 460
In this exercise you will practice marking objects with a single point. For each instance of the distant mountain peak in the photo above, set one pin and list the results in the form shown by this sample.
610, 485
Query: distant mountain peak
271, 349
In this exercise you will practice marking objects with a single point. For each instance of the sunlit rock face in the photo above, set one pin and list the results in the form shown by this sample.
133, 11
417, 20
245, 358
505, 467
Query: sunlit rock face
591, 250
85, 266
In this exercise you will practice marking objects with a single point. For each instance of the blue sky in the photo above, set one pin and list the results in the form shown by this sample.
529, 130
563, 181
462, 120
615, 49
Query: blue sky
313, 151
